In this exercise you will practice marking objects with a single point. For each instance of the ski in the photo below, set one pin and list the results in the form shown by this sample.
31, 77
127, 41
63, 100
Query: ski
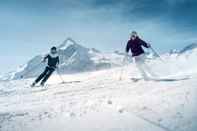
136, 79
161, 79
46, 86
70, 82
170, 79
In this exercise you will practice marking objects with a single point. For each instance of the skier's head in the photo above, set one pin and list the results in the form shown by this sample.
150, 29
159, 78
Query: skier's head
53, 50
133, 35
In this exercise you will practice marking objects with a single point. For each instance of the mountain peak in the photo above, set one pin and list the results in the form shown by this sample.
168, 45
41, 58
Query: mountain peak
68, 42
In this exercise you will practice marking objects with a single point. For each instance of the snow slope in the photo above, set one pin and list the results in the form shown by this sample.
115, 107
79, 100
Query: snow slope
100, 101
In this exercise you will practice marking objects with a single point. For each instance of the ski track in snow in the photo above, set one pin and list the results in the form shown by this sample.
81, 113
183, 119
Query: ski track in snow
99, 102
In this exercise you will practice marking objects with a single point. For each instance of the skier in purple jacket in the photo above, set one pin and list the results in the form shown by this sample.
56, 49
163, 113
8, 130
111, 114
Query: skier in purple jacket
135, 45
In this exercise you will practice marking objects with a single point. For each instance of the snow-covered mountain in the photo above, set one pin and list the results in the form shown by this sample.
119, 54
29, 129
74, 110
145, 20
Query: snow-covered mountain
186, 50
189, 48
74, 58
176, 61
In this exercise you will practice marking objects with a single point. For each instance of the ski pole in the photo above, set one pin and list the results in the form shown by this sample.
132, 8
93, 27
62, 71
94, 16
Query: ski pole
153, 50
31, 69
122, 69
60, 76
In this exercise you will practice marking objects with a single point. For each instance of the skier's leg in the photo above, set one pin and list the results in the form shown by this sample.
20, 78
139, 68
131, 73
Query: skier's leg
46, 77
142, 71
42, 75
139, 61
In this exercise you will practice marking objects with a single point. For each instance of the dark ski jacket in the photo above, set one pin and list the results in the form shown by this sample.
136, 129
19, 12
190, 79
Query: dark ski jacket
53, 60
136, 46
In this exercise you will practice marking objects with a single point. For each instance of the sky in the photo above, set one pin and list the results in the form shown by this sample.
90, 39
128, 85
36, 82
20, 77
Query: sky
31, 27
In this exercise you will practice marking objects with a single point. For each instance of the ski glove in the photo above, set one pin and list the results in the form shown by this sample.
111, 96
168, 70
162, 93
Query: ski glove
149, 45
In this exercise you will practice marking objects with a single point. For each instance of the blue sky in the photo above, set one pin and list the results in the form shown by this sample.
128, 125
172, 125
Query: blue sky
31, 27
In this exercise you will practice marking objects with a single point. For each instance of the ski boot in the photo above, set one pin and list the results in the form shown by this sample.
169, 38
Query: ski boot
42, 84
33, 84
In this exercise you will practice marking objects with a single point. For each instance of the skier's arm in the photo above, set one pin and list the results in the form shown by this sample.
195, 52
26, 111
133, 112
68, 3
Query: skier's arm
45, 58
127, 47
58, 62
145, 44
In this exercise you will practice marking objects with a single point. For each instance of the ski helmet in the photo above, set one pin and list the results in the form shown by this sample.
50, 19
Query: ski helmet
133, 33
53, 50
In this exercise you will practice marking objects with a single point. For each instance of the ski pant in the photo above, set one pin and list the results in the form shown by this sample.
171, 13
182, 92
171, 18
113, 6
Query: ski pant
45, 75
144, 69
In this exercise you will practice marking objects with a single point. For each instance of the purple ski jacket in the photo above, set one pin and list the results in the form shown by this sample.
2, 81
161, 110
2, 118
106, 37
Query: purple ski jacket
136, 46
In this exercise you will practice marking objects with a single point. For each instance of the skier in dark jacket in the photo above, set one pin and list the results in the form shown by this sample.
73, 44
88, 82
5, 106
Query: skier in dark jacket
53, 62
135, 45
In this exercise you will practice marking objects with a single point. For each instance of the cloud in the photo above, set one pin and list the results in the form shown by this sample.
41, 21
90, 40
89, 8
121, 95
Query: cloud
176, 2
93, 18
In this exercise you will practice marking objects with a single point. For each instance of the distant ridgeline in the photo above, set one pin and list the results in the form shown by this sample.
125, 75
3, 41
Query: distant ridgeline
75, 58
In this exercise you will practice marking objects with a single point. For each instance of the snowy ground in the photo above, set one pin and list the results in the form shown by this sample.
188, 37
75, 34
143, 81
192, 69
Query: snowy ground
99, 101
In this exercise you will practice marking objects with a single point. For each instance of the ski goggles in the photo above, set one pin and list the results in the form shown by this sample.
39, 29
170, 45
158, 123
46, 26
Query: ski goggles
133, 36
53, 52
